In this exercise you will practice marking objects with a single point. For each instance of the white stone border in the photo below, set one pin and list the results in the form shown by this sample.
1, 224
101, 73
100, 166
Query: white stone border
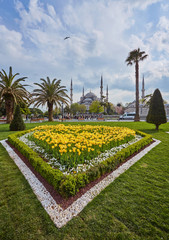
58, 215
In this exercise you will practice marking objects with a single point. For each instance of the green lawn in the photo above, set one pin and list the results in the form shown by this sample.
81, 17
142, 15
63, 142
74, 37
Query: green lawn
134, 206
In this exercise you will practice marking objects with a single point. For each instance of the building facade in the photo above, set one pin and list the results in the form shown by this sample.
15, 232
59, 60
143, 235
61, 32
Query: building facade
143, 108
89, 97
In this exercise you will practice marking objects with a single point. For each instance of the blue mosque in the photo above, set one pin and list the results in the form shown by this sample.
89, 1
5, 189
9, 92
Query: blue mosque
88, 98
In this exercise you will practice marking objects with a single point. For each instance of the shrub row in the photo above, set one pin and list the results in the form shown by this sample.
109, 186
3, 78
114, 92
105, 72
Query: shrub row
69, 185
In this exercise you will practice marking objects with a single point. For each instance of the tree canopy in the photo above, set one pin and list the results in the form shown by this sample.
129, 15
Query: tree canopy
12, 91
135, 57
50, 93
96, 107
17, 123
156, 114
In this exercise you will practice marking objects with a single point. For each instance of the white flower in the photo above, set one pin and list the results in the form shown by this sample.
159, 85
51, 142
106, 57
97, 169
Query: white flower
53, 162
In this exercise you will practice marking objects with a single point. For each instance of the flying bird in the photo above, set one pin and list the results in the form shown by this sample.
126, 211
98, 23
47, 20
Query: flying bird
66, 38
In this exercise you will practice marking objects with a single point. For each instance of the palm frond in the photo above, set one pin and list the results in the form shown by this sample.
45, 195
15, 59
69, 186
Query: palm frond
49, 92
11, 87
135, 56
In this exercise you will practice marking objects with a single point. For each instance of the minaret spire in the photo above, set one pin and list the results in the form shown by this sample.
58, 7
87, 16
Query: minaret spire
71, 92
83, 93
143, 89
101, 89
107, 94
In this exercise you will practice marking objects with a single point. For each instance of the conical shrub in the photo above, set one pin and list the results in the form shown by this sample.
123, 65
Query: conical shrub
156, 114
17, 123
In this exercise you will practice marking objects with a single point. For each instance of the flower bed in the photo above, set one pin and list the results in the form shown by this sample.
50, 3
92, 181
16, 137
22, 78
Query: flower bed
71, 146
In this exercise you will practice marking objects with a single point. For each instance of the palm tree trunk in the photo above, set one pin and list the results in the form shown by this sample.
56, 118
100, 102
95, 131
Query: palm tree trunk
137, 117
50, 111
9, 106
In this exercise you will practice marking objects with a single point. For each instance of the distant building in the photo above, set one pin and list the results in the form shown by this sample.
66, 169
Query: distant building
89, 97
143, 108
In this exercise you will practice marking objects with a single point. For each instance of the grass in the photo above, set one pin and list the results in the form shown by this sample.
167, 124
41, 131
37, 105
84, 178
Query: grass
135, 206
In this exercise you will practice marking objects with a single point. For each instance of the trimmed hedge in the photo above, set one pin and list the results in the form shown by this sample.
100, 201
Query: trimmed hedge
17, 123
69, 185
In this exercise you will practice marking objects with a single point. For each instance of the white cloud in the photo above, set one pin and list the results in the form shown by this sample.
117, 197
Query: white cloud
118, 95
51, 10
99, 44
11, 41
12, 50
98, 35
163, 23
156, 66
165, 6
140, 4
159, 41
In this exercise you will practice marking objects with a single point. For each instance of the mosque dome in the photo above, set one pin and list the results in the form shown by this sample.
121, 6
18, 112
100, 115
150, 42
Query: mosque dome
90, 95
87, 99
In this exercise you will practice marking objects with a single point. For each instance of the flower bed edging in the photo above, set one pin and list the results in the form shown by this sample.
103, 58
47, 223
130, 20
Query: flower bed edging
59, 216
69, 185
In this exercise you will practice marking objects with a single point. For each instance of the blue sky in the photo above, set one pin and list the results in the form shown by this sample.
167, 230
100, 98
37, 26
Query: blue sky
102, 33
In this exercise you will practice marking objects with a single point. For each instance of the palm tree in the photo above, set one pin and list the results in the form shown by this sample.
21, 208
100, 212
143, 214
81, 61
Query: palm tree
146, 100
50, 93
12, 92
135, 57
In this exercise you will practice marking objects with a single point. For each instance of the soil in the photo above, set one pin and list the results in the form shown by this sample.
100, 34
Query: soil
65, 203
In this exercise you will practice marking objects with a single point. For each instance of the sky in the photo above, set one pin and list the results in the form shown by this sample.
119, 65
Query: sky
102, 33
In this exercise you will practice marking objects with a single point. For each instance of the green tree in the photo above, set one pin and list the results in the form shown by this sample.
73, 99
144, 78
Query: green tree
67, 109
110, 108
45, 114
58, 110
17, 123
74, 108
12, 92
156, 114
120, 108
96, 107
24, 108
104, 103
36, 112
50, 93
147, 99
135, 57
82, 108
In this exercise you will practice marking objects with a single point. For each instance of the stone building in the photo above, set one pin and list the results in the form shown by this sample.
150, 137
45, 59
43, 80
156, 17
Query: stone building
143, 108
89, 97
